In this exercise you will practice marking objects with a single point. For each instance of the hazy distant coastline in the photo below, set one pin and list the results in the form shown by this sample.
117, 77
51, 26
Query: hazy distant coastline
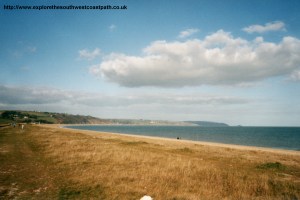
9, 116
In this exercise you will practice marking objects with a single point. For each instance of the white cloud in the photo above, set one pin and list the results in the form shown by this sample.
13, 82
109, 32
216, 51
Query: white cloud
31, 49
112, 27
24, 51
218, 59
188, 33
272, 26
89, 55
295, 76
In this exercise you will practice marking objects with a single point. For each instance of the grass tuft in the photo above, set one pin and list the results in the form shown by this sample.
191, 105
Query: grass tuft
272, 166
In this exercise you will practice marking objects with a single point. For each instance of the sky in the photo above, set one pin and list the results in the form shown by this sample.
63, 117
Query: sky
233, 61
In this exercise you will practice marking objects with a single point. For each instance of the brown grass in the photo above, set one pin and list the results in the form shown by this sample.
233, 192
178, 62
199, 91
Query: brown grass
72, 164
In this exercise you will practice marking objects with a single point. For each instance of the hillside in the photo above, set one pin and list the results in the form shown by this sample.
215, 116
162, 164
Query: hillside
63, 118
208, 124
147, 122
47, 118
10, 116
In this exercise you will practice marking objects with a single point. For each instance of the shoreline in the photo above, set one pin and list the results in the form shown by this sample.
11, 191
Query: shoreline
155, 139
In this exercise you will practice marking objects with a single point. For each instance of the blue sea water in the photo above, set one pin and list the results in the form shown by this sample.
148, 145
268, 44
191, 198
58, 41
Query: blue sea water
271, 137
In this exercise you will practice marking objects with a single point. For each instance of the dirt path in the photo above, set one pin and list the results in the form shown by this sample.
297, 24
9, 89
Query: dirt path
24, 173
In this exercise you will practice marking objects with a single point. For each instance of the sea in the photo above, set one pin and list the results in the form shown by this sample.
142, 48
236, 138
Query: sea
271, 137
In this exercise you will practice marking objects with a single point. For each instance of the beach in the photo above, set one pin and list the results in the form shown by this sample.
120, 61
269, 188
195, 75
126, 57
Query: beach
52, 162
179, 139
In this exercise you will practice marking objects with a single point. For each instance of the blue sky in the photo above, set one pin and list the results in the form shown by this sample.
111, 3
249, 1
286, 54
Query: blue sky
232, 61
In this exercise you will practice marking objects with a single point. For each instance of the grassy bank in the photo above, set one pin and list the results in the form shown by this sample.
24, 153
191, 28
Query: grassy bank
42, 162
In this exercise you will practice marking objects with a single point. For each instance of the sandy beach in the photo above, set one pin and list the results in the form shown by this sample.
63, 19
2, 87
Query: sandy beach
52, 162
169, 141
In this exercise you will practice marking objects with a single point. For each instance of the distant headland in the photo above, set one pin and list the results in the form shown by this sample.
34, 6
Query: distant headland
19, 116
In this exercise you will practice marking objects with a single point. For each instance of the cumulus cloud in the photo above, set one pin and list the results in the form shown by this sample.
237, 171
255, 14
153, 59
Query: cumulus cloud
89, 55
218, 59
272, 26
188, 33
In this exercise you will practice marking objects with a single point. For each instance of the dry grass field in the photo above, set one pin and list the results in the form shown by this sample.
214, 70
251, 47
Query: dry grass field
48, 162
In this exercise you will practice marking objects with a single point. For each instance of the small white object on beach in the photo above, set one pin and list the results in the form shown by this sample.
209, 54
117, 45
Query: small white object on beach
146, 198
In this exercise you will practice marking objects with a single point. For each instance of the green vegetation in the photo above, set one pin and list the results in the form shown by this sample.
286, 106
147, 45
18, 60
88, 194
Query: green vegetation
46, 118
272, 166
13, 116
